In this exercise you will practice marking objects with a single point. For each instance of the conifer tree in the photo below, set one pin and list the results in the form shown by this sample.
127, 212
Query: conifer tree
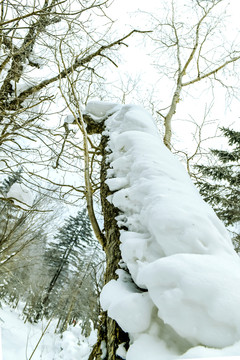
219, 184
9, 181
9, 220
7, 209
69, 245
72, 249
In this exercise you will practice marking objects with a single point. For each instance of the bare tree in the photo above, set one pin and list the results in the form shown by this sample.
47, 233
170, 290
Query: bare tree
22, 244
41, 45
192, 43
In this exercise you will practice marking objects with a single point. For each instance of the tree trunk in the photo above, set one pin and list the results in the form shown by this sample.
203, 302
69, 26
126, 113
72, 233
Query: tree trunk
110, 335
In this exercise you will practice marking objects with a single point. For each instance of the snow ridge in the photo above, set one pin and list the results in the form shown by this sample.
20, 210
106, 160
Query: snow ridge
176, 248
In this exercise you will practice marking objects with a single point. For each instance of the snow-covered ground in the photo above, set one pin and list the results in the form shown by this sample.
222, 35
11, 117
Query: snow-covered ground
176, 249
19, 340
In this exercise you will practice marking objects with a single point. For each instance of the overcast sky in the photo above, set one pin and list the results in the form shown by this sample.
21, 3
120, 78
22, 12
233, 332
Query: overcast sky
138, 61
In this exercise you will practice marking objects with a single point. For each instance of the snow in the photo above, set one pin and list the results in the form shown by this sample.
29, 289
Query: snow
207, 299
21, 195
125, 302
100, 110
184, 301
103, 349
69, 119
19, 340
149, 347
121, 351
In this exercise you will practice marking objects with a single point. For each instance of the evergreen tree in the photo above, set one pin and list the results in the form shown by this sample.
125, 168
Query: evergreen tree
9, 219
219, 184
68, 255
9, 181
7, 210
69, 246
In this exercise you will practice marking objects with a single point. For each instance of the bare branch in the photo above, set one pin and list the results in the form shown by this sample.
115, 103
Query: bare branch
36, 12
65, 72
234, 59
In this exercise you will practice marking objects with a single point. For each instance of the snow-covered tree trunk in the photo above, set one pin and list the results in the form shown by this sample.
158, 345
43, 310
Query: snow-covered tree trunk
110, 335
172, 274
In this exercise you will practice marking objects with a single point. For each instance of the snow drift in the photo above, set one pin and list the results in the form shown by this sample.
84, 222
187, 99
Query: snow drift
176, 249
19, 339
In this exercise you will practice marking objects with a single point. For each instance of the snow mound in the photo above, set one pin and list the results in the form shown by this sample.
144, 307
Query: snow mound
175, 248
19, 339
197, 296
100, 109
125, 302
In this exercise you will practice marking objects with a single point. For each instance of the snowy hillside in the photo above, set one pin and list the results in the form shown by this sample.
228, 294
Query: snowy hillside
176, 249
19, 340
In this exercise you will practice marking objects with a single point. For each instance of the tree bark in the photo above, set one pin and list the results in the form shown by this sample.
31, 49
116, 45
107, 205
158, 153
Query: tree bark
110, 335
